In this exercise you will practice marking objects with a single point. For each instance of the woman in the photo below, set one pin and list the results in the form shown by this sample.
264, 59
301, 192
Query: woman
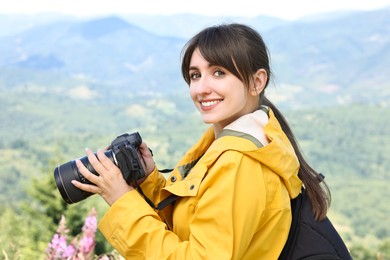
234, 185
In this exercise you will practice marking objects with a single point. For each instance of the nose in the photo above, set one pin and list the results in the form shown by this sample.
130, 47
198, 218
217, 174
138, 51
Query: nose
202, 86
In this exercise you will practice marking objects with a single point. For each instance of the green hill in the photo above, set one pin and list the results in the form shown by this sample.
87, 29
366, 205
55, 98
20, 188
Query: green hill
69, 84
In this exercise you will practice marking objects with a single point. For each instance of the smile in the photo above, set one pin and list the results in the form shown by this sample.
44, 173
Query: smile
210, 103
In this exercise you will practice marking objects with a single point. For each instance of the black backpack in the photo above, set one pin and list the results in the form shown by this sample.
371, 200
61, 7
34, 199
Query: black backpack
310, 239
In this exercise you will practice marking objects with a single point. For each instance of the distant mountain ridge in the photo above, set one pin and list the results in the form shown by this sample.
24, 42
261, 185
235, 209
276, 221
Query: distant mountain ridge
107, 49
326, 61
95, 29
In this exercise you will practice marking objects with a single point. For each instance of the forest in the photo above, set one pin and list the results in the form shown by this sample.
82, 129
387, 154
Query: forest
57, 99
349, 145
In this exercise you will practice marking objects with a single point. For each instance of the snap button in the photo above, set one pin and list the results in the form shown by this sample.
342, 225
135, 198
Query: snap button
173, 178
192, 187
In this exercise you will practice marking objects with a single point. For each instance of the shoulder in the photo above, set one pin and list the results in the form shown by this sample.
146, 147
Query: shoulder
237, 168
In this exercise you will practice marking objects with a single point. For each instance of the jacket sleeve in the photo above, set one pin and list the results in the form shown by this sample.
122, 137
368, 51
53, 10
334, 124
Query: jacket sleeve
225, 218
153, 184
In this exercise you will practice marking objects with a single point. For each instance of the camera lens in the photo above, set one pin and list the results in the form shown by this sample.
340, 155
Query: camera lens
67, 172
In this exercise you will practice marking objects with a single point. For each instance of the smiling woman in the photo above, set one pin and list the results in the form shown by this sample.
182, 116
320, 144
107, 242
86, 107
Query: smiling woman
229, 195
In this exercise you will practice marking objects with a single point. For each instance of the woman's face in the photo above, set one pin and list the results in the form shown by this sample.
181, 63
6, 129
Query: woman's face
219, 95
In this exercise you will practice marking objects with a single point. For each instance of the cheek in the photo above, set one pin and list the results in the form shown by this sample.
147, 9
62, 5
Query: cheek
192, 94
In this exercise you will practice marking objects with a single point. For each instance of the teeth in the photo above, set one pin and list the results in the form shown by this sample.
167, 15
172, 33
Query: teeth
209, 103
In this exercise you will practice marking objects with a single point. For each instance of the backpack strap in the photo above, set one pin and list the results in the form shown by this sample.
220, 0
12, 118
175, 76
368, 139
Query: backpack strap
309, 238
296, 209
296, 205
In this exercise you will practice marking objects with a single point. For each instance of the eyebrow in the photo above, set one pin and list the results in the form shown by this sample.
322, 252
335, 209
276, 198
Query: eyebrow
209, 65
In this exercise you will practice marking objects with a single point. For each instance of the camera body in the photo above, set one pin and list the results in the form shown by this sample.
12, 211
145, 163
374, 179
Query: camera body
122, 152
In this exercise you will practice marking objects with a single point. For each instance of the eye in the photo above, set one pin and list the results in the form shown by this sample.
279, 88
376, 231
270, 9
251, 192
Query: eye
194, 75
219, 73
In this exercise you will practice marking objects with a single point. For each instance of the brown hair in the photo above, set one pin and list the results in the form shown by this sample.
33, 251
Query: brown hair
242, 51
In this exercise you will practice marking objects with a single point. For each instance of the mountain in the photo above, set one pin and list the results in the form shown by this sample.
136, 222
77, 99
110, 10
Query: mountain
68, 83
186, 25
358, 42
102, 50
316, 62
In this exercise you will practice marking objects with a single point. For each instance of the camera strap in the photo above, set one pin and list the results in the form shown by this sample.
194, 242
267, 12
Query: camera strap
132, 171
165, 202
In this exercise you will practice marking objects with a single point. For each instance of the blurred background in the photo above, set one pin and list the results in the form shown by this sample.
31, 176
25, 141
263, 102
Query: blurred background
76, 74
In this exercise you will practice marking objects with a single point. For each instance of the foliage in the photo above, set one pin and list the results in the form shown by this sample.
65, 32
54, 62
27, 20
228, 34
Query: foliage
79, 247
384, 249
29, 165
346, 141
361, 252
337, 107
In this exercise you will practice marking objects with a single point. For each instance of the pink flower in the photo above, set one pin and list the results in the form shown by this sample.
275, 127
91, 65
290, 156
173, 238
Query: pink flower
90, 223
86, 244
87, 241
79, 248
69, 251
58, 244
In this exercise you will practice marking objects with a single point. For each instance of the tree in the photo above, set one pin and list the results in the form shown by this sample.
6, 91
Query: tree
384, 250
359, 252
47, 207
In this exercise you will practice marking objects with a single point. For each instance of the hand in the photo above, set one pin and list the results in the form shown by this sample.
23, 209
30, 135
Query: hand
146, 158
110, 184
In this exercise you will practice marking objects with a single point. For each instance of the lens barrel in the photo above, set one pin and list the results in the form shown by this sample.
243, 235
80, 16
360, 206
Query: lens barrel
67, 172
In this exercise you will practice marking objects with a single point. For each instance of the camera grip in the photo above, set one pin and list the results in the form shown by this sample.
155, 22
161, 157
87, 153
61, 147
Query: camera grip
129, 163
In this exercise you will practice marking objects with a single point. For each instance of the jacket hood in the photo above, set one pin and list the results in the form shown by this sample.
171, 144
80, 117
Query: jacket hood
257, 135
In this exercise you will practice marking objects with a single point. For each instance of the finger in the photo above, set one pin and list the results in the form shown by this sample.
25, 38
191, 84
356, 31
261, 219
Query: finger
106, 162
86, 173
143, 147
145, 151
86, 187
95, 163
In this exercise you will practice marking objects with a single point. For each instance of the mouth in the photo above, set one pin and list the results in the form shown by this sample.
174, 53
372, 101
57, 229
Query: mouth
209, 103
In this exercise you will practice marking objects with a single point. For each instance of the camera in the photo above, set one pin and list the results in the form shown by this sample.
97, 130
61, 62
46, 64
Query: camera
122, 152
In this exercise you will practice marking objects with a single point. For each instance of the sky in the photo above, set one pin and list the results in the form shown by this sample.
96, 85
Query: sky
285, 9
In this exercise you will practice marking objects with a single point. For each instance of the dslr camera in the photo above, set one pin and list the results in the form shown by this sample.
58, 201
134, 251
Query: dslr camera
122, 152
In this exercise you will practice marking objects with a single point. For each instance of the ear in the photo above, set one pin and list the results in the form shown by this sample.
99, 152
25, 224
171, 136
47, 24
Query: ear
259, 80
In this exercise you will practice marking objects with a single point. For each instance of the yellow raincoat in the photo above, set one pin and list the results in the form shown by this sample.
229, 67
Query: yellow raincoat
234, 199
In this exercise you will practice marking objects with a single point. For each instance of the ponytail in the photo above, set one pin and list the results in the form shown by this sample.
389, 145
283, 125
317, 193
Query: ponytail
317, 190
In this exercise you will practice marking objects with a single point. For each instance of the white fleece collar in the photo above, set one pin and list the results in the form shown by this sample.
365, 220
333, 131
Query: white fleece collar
252, 124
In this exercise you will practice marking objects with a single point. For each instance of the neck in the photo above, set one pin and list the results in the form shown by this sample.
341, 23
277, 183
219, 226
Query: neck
217, 130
